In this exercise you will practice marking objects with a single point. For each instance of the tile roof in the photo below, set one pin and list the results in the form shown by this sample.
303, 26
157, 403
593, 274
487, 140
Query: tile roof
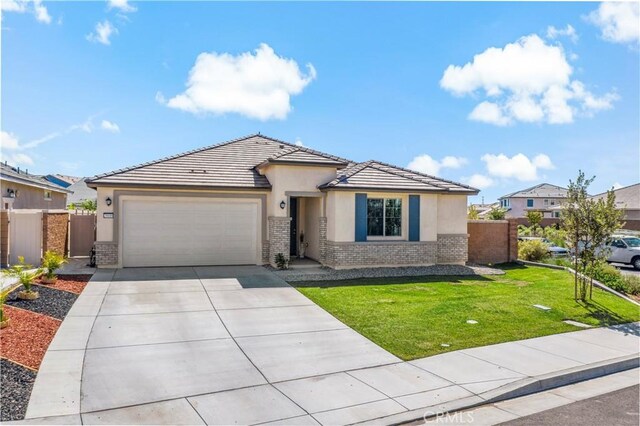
543, 190
81, 192
14, 174
627, 197
376, 175
234, 165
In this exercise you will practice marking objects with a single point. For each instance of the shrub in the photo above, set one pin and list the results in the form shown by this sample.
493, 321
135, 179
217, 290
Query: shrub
281, 261
26, 276
532, 250
3, 298
52, 261
496, 213
607, 275
631, 284
556, 236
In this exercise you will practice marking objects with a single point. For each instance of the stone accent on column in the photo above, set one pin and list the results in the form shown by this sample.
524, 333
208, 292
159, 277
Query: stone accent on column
452, 248
279, 230
106, 253
513, 240
323, 240
265, 251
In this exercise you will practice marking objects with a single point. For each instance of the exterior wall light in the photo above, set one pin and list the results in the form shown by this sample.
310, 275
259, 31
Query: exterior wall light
282, 204
11, 193
108, 201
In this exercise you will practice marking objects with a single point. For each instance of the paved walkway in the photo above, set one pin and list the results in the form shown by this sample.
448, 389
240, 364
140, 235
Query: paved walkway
237, 345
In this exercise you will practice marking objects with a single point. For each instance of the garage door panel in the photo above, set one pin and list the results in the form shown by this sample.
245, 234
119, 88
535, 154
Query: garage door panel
189, 232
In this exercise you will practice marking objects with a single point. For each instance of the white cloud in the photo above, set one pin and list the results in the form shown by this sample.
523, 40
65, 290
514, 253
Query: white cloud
617, 185
568, 31
479, 181
23, 6
526, 81
103, 32
518, 167
618, 21
110, 126
41, 12
425, 164
298, 142
9, 144
121, 5
257, 85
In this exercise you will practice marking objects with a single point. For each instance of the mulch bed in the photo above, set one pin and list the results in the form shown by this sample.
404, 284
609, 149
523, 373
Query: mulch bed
24, 342
73, 283
15, 389
52, 302
28, 336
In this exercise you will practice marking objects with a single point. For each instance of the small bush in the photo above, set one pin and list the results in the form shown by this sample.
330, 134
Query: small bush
52, 261
497, 213
281, 261
607, 275
631, 284
532, 250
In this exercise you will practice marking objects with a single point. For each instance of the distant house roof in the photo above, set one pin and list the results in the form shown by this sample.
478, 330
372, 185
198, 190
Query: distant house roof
234, 165
81, 192
14, 174
62, 180
626, 198
543, 190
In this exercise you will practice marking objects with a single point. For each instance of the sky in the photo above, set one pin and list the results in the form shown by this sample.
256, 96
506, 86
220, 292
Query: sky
501, 96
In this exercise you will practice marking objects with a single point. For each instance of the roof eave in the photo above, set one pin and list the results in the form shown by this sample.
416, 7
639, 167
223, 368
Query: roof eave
275, 162
95, 185
325, 188
29, 182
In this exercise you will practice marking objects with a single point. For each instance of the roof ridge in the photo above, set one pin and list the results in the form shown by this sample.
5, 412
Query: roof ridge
531, 188
424, 175
172, 157
614, 190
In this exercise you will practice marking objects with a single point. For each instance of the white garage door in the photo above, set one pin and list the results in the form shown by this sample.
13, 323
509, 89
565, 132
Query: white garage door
183, 232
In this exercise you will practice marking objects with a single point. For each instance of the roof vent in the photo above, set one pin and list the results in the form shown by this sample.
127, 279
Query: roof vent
281, 146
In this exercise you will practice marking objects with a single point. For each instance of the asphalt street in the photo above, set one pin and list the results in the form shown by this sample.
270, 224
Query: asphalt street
615, 408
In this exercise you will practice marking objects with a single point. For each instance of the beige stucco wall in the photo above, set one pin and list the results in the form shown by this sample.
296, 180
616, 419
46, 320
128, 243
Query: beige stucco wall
285, 178
342, 205
452, 214
429, 217
30, 197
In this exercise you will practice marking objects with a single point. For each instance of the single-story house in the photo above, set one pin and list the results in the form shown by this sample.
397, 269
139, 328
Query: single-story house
247, 200
22, 190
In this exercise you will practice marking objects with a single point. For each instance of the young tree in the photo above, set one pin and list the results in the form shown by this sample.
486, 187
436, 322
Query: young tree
588, 224
534, 217
497, 213
472, 213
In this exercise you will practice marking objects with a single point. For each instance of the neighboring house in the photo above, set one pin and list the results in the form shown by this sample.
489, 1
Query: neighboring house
627, 199
21, 190
484, 209
543, 198
62, 180
247, 200
80, 192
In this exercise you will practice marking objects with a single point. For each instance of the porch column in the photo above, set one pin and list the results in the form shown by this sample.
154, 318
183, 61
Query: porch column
279, 229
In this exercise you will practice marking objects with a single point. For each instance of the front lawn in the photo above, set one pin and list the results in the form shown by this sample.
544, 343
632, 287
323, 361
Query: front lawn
413, 317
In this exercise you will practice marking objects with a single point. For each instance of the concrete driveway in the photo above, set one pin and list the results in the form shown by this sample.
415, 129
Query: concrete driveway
230, 339
237, 345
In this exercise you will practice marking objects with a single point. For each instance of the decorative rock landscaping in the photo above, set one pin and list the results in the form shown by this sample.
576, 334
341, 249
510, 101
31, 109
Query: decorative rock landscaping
328, 274
33, 324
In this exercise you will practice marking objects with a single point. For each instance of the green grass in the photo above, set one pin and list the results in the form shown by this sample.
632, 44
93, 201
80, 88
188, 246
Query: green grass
413, 316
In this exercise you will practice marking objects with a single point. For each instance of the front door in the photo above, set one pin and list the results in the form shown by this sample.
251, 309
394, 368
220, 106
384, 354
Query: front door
293, 233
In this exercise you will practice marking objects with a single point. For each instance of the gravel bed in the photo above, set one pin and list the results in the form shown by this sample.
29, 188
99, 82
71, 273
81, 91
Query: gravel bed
52, 302
17, 382
328, 274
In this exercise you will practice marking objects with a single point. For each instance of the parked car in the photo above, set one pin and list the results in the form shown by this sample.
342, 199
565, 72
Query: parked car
624, 249
553, 249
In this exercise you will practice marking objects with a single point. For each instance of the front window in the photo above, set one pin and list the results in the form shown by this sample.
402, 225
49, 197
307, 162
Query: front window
556, 214
632, 241
384, 217
530, 202
47, 195
546, 202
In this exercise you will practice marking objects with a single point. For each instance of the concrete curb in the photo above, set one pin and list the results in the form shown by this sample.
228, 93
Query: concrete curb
516, 389
595, 282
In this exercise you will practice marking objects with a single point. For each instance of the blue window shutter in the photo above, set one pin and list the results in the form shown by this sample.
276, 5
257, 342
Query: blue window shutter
414, 218
361, 217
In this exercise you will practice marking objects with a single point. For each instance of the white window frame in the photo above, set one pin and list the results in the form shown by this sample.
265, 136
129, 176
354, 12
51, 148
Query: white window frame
50, 195
546, 202
384, 220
